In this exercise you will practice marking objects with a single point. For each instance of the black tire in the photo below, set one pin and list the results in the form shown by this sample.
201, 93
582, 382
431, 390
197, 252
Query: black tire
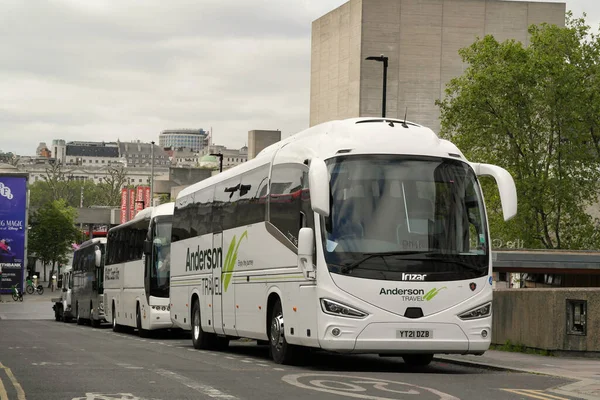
21, 298
93, 322
15, 297
280, 350
417, 360
29, 289
200, 339
77, 317
138, 318
40, 290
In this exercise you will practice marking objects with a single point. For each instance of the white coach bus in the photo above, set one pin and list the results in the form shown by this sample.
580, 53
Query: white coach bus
364, 235
136, 274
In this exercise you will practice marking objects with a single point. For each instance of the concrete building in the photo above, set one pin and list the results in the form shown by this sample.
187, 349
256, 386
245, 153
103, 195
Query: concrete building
195, 139
260, 139
139, 154
421, 39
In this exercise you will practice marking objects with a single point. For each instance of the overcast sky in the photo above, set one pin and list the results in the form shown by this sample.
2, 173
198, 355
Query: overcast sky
128, 69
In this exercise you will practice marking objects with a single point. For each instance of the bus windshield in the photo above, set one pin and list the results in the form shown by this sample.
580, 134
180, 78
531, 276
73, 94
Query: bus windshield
396, 216
161, 249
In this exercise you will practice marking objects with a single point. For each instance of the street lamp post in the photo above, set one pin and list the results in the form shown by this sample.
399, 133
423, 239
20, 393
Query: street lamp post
220, 160
384, 60
151, 174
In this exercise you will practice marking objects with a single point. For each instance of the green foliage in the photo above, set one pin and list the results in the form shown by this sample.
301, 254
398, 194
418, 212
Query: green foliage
53, 231
535, 111
520, 348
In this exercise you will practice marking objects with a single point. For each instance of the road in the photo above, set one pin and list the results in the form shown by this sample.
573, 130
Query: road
44, 359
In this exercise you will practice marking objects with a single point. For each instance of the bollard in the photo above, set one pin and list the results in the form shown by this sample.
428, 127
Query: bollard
53, 283
35, 282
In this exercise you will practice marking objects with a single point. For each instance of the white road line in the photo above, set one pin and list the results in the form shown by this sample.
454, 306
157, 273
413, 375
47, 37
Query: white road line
279, 369
246, 361
197, 386
262, 365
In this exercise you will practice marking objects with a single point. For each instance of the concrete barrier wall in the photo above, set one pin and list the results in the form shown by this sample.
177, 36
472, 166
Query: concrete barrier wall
537, 318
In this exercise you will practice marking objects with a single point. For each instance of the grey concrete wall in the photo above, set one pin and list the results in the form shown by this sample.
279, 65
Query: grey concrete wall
537, 318
259, 139
421, 39
335, 64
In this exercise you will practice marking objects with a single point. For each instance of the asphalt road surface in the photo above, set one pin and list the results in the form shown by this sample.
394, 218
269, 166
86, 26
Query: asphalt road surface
44, 359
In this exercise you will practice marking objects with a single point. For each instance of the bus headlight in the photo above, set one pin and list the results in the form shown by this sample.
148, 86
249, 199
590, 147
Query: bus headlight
482, 311
341, 310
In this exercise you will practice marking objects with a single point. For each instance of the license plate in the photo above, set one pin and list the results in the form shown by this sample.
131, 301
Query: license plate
414, 334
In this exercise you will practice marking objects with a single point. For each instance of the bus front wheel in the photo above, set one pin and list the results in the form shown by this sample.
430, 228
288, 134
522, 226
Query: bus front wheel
200, 339
141, 331
281, 351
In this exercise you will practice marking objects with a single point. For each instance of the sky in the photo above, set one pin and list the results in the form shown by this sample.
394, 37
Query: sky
103, 70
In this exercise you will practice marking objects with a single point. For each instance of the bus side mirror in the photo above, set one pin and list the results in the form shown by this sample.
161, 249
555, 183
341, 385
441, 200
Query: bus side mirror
147, 247
98, 260
306, 244
318, 182
506, 187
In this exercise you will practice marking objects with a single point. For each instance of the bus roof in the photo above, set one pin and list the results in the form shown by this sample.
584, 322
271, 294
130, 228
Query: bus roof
148, 214
350, 136
92, 242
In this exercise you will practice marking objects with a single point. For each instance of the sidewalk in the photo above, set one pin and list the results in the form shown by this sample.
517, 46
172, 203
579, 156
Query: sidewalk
33, 306
584, 370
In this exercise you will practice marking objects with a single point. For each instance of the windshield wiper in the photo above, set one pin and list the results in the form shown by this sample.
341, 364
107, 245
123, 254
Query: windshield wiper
349, 267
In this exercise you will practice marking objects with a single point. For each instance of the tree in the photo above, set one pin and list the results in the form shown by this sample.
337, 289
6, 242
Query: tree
53, 232
536, 112
112, 185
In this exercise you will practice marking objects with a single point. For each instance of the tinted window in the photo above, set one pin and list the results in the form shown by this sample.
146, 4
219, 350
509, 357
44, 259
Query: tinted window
183, 218
224, 205
250, 208
200, 217
290, 200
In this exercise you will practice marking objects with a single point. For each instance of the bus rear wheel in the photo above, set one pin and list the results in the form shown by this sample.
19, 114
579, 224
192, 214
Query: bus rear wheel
115, 327
281, 351
200, 339
417, 360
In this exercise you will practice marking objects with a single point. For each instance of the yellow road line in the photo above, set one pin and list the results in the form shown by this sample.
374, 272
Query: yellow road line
535, 394
3, 394
18, 388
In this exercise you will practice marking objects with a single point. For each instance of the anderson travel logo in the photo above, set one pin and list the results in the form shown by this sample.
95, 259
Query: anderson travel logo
212, 258
412, 294
5, 191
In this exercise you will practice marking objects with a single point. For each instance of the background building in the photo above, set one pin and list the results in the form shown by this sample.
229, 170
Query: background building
194, 139
260, 139
421, 39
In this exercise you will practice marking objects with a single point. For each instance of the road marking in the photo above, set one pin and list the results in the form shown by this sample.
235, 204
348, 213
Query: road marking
279, 369
262, 365
3, 394
246, 361
348, 385
535, 394
17, 386
197, 386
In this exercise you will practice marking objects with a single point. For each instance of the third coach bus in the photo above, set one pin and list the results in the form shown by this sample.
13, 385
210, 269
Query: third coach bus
364, 235
136, 274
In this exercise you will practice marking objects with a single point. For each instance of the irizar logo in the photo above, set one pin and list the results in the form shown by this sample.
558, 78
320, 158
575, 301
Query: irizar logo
5, 191
412, 294
413, 277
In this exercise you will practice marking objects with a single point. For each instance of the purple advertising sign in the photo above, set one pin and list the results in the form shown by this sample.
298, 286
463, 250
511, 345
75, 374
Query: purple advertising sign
13, 209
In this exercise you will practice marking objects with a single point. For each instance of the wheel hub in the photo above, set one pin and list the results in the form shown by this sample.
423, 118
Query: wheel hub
196, 324
277, 332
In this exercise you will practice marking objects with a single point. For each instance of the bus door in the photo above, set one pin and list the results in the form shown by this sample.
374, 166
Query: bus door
215, 283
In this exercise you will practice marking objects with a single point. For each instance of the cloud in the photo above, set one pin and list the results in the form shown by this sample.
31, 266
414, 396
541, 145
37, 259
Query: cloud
128, 69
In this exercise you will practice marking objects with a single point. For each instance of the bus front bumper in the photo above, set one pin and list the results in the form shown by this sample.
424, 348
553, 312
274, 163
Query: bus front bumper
393, 337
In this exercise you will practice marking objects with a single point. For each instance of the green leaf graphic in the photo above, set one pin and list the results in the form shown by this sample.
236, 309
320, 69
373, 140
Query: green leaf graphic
230, 260
432, 293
